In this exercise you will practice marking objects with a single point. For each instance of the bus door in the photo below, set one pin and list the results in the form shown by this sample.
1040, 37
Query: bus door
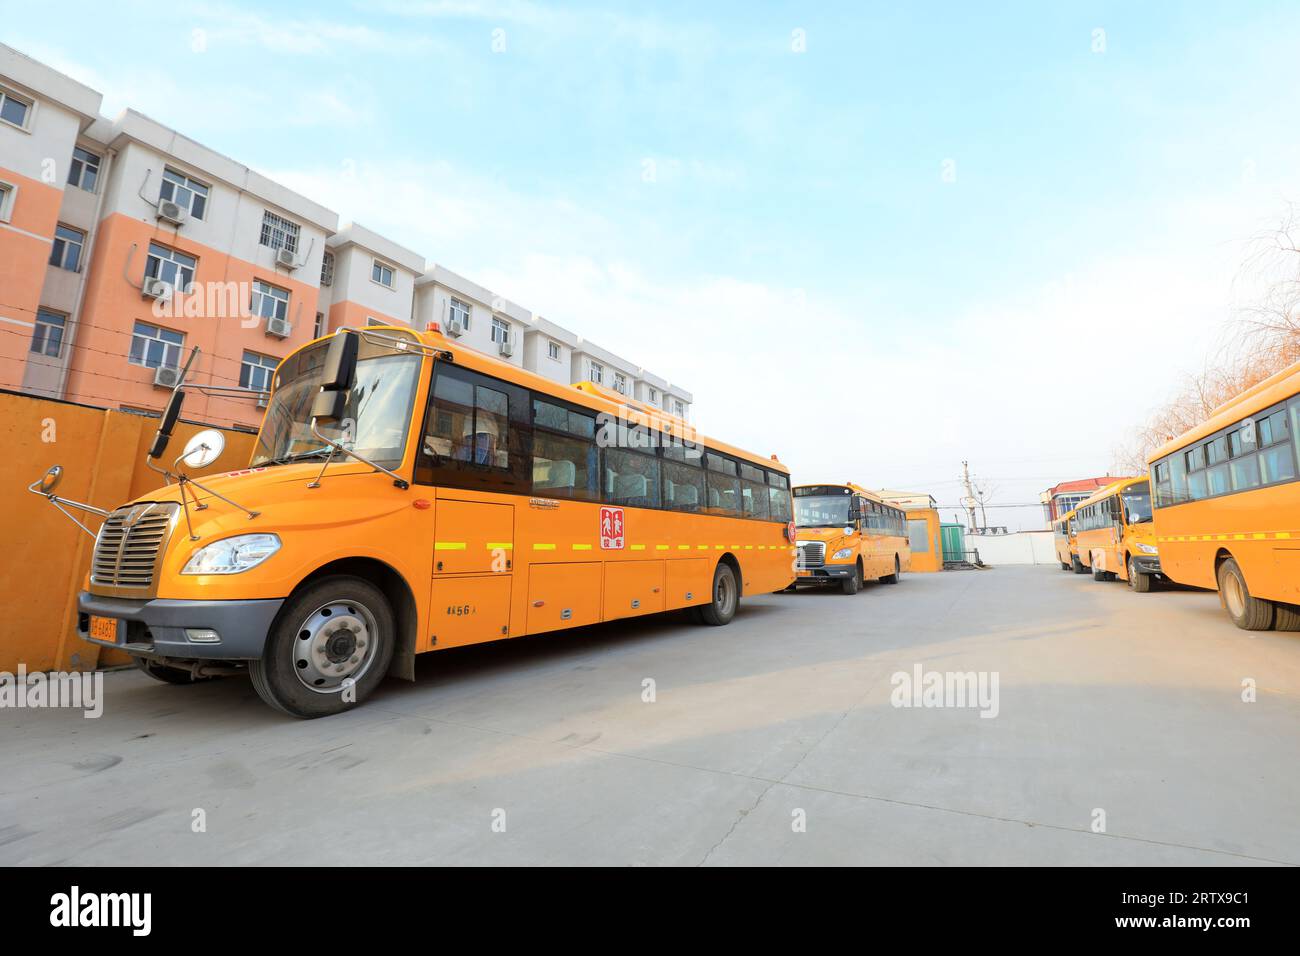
473, 571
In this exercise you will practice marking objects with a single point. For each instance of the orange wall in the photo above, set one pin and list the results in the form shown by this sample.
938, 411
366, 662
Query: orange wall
46, 555
931, 560
23, 259
101, 373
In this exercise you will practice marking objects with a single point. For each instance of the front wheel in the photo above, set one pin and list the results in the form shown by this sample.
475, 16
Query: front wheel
328, 649
1248, 613
1137, 581
726, 597
1077, 565
853, 583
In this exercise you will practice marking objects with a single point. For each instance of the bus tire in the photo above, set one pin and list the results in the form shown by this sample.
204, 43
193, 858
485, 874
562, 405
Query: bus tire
1287, 617
1077, 565
336, 634
725, 597
1137, 581
853, 583
1065, 566
1098, 574
892, 578
1248, 613
168, 675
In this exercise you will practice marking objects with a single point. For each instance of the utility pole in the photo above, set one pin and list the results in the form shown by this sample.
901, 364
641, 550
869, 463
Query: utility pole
969, 501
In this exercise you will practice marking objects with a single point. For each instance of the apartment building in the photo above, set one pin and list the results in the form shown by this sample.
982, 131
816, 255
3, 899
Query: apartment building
124, 245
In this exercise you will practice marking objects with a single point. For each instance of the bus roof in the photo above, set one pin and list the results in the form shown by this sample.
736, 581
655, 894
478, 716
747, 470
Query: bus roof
594, 397
857, 489
1278, 386
1103, 493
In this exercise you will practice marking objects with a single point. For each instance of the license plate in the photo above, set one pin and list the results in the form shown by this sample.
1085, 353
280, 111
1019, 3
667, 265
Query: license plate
103, 628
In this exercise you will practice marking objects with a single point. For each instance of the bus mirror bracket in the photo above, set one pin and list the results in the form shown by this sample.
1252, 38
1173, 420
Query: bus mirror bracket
398, 480
45, 488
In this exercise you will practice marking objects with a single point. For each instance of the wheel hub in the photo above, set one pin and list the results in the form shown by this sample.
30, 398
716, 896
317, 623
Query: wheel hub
336, 643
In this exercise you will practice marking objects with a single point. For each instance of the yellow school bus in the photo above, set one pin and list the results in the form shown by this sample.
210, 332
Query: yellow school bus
1067, 544
1227, 504
1114, 534
407, 494
847, 535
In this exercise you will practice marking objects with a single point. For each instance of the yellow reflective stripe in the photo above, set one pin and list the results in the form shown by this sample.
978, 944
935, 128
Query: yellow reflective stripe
637, 547
701, 547
683, 547
749, 547
449, 546
661, 547
500, 546
543, 547
582, 547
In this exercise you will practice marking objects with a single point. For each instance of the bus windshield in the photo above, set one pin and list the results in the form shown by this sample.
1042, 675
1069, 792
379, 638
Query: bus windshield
822, 511
377, 416
1137, 503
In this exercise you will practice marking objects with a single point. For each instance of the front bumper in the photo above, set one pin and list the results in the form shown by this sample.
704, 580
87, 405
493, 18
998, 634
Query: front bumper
825, 574
1147, 563
156, 627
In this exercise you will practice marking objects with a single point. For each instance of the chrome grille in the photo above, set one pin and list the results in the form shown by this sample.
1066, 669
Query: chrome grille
129, 543
812, 554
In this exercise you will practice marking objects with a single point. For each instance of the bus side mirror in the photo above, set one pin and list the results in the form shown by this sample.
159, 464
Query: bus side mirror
328, 407
340, 369
169, 416
50, 480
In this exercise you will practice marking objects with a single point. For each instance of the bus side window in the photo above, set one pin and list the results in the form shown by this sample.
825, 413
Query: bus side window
753, 492
779, 494
564, 452
724, 486
474, 432
631, 478
683, 478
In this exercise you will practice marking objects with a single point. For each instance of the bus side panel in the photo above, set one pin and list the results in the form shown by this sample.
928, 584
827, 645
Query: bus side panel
563, 595
469, 609
1287, 574
689, 581
632, 588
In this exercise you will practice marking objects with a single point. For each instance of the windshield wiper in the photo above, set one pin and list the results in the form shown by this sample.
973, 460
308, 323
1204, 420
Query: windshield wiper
301, 456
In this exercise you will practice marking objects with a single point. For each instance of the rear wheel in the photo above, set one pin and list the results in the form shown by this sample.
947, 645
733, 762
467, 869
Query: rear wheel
1098, 574
1065, 565
853, 583
1248, 613
726, 597
168, 675
328, 649
892, 578
1287, 617
1137, 581
1077, 565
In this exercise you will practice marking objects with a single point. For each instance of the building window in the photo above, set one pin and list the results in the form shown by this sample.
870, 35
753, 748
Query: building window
279, 233
460, 312
47, 336
66, 251
382, 274
84, 171
654, 397
269, 301
553, 350
14, 109
7, 193
620, 383
500, 330
679, 409
174, 268
327, 269
256, 370
153, 347
320, 325
190, 194
595, 372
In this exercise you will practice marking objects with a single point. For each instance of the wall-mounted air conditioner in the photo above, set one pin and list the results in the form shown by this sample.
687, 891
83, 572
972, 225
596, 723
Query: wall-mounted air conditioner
280, 328
507, 344
285, 259
454, 327
172, 212
159, 289
166, 376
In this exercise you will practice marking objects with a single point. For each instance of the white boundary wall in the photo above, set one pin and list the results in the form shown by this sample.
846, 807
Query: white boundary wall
1023, 547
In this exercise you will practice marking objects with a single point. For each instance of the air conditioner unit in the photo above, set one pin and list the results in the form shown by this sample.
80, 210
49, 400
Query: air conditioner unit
166, 376
454, 327
278, 327
507, 345
262, 400
172, 212
156, 289
286, 259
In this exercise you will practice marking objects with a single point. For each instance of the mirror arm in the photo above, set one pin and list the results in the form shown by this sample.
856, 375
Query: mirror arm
398, 480
58, 502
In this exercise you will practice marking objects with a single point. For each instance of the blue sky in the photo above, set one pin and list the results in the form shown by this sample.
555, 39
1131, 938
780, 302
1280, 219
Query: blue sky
773, 227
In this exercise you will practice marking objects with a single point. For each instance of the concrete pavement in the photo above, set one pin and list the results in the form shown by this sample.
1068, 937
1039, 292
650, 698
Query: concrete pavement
770, 741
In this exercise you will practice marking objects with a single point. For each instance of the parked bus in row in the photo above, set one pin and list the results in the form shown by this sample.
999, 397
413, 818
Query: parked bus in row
407, 494
1115, 536
847, 535
1227, 504
1067, 544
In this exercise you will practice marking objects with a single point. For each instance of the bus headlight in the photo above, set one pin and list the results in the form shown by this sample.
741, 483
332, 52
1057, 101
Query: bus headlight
842, 554
232, 555
1147, 548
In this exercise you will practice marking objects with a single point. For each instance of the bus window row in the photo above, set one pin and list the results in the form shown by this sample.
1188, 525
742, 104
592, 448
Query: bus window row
1256, 452
489, 435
